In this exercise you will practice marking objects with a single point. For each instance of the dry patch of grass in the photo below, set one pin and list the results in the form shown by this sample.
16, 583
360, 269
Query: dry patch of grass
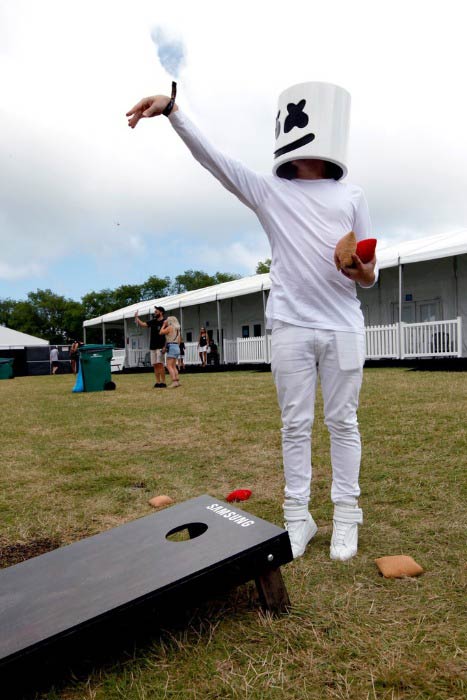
74, 465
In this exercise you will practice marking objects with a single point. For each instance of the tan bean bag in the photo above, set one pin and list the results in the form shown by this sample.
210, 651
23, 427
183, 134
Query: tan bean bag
345, 248
159, 501
398, 566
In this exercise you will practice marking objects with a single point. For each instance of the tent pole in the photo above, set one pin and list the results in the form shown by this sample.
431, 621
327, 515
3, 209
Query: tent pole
265, 351
400, 309
125, 343
220, 349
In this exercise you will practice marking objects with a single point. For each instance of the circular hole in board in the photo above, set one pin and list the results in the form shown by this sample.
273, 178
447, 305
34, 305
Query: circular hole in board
189, 531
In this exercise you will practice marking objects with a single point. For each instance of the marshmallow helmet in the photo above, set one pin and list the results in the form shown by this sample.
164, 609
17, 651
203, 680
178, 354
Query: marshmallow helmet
312, 123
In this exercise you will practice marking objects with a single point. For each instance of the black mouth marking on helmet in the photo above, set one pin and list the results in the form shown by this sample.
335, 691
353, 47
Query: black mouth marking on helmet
294, 145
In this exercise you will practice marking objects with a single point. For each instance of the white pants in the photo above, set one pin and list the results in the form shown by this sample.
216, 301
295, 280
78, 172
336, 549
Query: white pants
299, 356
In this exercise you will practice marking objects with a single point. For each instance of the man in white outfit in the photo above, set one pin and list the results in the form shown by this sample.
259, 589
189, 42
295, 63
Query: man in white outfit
317, 324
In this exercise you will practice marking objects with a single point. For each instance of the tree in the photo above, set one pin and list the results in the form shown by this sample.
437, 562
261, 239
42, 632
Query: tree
197, 279
98, 303
192, 279
221, 277
125, 295
7, 306
49, 316
155, 287
53, 317
263, 266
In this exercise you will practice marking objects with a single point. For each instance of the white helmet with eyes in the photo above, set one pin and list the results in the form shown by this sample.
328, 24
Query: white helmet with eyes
312, 122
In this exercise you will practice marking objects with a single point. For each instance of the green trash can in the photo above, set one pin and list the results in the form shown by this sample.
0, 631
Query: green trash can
6, 367
94, 363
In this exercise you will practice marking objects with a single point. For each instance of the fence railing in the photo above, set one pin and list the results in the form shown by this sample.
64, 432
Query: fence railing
394, 341
251, 350
405, 340
118, 360
138, 358
191, 354
382, 341
432, 339
230, 352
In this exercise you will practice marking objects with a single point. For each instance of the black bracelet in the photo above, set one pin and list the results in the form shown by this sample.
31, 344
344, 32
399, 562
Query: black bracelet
170, 105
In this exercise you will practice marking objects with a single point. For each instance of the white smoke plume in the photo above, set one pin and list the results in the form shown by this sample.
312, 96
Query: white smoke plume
171, 51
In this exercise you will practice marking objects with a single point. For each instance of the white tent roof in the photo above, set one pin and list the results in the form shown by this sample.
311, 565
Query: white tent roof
430, 248
14, 340
443, 245
226, 290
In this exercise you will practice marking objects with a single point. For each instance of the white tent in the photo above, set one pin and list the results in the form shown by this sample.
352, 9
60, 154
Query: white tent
226, 290
429, 248
14, 340
443, 245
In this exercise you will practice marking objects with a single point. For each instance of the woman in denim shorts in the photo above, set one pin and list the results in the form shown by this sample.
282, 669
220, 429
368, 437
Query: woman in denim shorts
171, 330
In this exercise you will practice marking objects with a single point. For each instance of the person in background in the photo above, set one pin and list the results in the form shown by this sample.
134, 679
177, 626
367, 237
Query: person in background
54, 359
213, 358
181, 357
156, 344
74, 356
171, 331
203, 342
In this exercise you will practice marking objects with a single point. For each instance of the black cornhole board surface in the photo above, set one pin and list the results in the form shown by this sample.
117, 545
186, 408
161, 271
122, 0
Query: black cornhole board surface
48, 598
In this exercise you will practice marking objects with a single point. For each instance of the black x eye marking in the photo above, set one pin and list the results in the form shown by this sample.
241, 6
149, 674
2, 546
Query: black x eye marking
296, 116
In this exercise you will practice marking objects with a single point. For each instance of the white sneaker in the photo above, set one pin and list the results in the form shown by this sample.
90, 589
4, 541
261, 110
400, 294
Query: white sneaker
344, 541
300, 526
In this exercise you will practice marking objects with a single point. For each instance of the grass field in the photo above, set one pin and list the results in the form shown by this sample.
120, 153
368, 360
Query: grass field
75, 465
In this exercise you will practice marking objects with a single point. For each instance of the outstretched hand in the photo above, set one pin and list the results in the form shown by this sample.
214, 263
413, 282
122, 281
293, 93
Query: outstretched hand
363, 273
148, 107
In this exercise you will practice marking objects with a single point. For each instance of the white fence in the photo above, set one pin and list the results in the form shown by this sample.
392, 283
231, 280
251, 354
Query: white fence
191, 354
138, 358
230, 352
429, 339
434, 338
407, 340
118, 361
382, 341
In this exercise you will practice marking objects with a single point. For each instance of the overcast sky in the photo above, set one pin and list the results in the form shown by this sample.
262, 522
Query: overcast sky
87, 203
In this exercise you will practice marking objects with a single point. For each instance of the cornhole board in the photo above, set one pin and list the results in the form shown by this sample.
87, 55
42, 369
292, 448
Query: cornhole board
47, 599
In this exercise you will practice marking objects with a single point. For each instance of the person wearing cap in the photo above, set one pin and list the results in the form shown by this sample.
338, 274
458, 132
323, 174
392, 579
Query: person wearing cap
156, 344
317, 325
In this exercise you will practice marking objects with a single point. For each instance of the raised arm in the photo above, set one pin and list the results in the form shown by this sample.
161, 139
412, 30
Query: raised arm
165, 328
139, 322
149, 107
248, 186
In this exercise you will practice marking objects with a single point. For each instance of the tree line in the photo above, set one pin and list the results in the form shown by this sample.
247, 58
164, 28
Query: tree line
53, 317
59, 320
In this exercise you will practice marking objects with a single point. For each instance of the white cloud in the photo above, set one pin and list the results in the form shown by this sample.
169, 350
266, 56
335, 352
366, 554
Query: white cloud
237, 256
17, 271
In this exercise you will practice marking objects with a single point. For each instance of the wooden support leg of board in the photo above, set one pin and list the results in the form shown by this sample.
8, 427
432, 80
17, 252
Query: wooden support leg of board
272, 591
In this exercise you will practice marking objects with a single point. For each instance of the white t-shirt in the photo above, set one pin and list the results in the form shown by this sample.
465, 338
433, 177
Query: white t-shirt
54, 355
303, 219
